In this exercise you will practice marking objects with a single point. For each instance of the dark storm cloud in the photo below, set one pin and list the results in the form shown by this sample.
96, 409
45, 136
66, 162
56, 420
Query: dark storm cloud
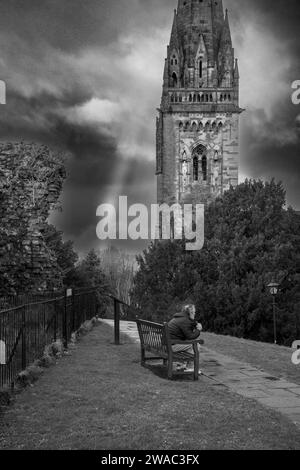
71, 25
68, 25
94, 155
271, 146
266, 37
282, 17
86, 76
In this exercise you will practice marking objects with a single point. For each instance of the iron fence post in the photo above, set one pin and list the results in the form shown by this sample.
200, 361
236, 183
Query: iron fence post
55, 321
1, 365
64, 321
85, 308
24, 359
95, 304
274, 320
73, 312
117, 321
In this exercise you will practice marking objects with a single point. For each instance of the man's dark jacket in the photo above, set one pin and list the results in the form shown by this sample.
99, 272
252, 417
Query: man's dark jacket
181, 327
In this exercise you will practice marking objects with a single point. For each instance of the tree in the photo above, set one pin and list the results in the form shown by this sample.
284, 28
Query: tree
89, 271
119, 269
250, 238
64, 251
160, 281
88, 274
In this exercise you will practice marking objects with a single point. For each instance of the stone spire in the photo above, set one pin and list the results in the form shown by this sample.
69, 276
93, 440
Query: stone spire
200, 37
166, 74
236, 83
226, 33
174, 42
226, 55
218, 23
236, 72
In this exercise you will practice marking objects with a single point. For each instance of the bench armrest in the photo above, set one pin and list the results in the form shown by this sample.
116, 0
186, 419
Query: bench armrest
194, 341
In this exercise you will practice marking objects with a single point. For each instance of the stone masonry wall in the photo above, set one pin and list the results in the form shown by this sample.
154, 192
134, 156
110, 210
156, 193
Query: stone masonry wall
31, 180
182, 134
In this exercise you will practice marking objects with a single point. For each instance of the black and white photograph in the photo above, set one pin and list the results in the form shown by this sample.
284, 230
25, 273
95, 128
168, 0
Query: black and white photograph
149, 228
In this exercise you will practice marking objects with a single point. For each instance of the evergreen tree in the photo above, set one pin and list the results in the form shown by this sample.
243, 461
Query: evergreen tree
64, 252
250, 239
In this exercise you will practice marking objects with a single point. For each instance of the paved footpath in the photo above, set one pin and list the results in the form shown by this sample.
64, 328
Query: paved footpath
279, 394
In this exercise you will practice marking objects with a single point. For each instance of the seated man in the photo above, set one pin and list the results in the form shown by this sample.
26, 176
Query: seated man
183, 327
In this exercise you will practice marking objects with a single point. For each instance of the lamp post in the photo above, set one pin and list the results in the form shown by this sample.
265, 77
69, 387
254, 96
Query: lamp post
274, 287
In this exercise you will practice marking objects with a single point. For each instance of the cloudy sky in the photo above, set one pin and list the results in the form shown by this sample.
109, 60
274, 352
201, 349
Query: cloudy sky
86, 76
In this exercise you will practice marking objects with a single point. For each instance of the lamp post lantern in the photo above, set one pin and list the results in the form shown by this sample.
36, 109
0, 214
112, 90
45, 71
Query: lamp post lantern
274, 288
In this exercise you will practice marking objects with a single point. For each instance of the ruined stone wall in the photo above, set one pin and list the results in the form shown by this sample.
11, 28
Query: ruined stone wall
31, 180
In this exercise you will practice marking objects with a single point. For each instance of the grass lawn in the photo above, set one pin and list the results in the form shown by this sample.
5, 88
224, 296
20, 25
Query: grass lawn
275, 360
101, 398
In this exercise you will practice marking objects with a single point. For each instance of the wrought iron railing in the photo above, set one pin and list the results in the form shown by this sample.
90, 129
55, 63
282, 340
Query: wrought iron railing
122, 312
28, 324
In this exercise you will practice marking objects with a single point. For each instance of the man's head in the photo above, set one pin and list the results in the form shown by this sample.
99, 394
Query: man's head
190, 310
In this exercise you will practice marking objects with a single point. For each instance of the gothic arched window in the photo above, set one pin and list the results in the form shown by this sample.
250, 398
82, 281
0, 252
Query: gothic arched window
174, 60
174, 80
172, 226
195, 169
200, 68
204, 168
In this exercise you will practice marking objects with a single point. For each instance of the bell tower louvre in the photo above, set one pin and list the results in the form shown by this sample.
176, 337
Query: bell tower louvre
198, 122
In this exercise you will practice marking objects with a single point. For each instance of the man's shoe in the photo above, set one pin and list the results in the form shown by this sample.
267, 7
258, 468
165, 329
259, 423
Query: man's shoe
190, 370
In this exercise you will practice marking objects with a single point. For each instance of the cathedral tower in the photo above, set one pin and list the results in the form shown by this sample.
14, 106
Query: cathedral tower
198, 122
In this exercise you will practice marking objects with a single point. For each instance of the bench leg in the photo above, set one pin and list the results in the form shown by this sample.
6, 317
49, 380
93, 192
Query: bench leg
170, 368
196, 362
143, 357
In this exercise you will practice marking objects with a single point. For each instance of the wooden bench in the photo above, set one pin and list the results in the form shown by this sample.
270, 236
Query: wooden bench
155, 339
